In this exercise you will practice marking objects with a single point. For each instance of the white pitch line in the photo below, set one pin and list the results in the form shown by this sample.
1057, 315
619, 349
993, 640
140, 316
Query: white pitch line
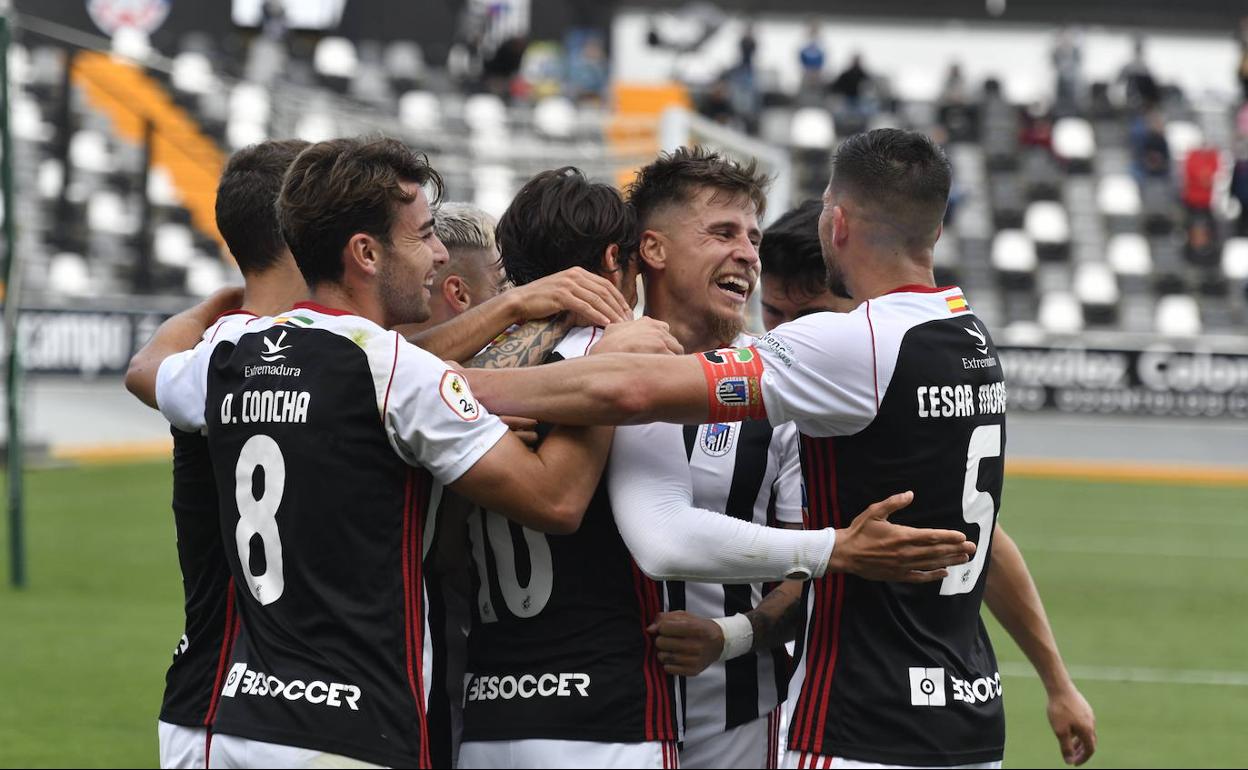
1139, 675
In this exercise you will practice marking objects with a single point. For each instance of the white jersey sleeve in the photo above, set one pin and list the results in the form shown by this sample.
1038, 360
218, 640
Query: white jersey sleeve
182, 379
788, 486
431, 416
821, 373
652, 498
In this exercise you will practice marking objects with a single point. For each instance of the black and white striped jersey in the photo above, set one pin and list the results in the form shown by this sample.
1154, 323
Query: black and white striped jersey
326, 433
904, 393
749, 471
558, 647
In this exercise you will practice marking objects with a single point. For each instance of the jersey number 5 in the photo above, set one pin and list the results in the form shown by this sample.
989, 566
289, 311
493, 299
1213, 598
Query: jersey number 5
258, 517
976, 509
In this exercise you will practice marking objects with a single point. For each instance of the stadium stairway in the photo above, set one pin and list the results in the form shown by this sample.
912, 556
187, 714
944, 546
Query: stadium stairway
132, 99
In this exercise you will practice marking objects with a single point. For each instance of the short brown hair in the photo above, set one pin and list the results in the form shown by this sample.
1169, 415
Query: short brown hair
341, 187
676, 177
246, 202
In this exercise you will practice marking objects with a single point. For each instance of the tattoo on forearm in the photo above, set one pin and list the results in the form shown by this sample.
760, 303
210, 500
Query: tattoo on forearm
526, 346
775, 620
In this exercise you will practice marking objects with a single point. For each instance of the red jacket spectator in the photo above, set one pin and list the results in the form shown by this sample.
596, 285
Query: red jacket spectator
1198, 172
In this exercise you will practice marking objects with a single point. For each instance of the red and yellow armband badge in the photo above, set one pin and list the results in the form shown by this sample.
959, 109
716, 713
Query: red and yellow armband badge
734, 384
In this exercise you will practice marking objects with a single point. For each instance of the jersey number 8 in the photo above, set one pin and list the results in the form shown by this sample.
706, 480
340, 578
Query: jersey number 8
259, 516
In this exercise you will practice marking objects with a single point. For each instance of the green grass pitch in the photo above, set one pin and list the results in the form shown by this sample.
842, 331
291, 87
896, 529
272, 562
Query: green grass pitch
1142, 582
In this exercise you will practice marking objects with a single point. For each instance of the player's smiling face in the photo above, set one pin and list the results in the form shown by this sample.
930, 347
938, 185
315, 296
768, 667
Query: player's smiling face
712, 259
411, 261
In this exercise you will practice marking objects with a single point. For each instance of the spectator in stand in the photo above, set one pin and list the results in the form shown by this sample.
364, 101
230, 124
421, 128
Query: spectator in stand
1243, 56
1143, 92
1202, 248
853, 82
1239, 188
812, 57
1199, 170
1149, 149
717, 104
744, 84
587, 68
956, 112
1068, 67
503, 65
1035, 126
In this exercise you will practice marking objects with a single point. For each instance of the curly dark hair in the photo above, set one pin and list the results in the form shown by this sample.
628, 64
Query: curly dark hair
342, 187
246, 202
560, 219
675, 178
790, 249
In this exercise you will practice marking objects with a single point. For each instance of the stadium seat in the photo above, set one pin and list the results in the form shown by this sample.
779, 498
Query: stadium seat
485, 113
1178, 315
421, 111
241, 132
316, 127
1014, 259
1158, 204
918, 84
192, 73
161, 190
108, 213
1074, 140
1096, 287
495, 187
1183, 136
405, 64
1129, 254
555, 117
1024, 333
88, 151
812, 129
1048, 227
68, 275
1117, 195
1060, 313
51, 178
132, 43
204, 275
173, 245
1235, 259
335, 62
1042, 174
1009, 200
251, 102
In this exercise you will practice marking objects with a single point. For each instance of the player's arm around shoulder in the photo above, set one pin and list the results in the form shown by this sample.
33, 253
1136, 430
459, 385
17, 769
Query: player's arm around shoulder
177, 334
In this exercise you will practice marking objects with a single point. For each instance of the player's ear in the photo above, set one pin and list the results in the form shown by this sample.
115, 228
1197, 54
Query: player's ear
840, 226
362, 254
653, 250
455, 292
611, 258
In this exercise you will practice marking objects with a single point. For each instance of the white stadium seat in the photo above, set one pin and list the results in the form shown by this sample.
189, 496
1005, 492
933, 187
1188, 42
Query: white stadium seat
420, 111
51, 178
1046, 222
1129, 254
495, 187
1013, 252
812, 129
173, 245
1183, 136
1060, 313
160, 188
1178, 315
1095, 284
1118, 195
204, 275
335, 57
251, 102
242, 131
1074, 139
316, 127
1235, 259
88, 151
108, 213
192, 73
555, 117
485, 113
68, 274
132, 43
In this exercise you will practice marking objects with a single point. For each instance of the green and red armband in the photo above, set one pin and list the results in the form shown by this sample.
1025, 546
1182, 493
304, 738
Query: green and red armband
734, 384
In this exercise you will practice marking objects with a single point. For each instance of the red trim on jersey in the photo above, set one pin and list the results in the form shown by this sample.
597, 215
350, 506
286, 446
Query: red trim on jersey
659, 709
838, 582
875, 367
773, 739
420, 503
321, 309
593, 335
817, 487
919, 288
385, 404
223, 659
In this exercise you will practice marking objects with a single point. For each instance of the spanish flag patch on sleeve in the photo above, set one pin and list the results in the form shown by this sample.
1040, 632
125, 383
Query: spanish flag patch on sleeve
957, 304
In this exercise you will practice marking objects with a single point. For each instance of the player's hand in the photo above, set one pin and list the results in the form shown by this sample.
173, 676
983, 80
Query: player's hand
687, 643
524, 428
591, 299
645, 335
874, 548
1074, 724
220, 301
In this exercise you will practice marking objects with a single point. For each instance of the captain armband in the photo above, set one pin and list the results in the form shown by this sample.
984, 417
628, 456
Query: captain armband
733, 384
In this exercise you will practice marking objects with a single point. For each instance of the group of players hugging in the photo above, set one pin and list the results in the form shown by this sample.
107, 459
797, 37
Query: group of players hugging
411, 534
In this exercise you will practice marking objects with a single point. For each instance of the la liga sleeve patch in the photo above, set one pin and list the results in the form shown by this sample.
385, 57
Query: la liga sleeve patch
733, 389
456, 395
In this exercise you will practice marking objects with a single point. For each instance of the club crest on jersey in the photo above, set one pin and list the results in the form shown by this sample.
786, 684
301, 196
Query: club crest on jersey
272, 350
737, 391
457, 396
717, 437
725, 356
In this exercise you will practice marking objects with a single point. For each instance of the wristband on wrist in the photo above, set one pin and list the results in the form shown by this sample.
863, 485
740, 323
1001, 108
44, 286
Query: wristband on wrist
738, 635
